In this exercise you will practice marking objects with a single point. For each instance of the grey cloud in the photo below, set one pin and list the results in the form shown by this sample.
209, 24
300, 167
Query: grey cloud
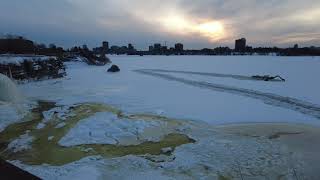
67, 22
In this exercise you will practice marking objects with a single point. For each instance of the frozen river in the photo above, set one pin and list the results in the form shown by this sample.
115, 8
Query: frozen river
169, 117
136, 92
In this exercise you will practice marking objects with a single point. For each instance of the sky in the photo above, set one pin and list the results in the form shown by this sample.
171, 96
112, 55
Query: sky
195, 23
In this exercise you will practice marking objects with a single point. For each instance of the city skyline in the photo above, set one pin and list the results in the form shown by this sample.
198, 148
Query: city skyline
207, 23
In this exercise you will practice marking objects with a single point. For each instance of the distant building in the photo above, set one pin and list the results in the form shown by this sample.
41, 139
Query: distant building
131, 50
178, 47
240, 45
114, 49
105, 46
130, 47
157, 47
150, 48
164, 48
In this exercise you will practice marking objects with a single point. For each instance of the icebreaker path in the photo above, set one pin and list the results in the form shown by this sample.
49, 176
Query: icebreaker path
268, 98
232, 76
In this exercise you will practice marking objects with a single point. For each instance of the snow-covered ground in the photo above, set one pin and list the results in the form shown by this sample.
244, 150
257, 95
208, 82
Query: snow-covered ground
134, 92
205, 99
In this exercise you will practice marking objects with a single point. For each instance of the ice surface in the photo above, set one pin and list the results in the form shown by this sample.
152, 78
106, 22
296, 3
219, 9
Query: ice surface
107, 128
210, 156
21, 143
134, 92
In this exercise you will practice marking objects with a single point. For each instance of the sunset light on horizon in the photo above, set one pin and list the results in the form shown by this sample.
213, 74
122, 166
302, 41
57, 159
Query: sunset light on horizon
209, 29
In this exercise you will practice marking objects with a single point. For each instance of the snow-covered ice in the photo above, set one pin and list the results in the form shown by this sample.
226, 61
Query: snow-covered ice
134, 92
60, 112
211, 156
107, 128
138, 93
22, 143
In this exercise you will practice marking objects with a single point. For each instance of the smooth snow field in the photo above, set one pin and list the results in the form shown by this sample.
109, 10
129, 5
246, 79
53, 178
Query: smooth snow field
136, 92
169, 117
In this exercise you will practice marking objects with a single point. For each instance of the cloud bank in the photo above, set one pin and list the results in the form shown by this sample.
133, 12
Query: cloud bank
198, 24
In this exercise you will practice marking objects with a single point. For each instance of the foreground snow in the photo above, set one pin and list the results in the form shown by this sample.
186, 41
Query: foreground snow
213, 156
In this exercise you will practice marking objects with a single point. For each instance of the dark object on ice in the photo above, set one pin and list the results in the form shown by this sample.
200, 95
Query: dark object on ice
114, 68
268, 78
9, 171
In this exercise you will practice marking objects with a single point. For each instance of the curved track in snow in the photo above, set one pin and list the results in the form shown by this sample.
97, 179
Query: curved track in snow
268, 98
233, 76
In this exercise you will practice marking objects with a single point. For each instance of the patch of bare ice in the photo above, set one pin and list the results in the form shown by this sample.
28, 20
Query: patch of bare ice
61, 112
60, 125
22, 143
107, 128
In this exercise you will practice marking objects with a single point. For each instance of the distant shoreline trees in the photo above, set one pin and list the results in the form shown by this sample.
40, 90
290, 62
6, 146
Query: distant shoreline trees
12, 44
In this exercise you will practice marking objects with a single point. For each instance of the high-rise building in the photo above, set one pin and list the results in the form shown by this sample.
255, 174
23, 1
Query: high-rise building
157, 47
178, 47
240, 44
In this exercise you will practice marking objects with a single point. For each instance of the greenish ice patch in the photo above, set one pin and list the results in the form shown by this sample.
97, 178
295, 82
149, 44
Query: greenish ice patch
50, 152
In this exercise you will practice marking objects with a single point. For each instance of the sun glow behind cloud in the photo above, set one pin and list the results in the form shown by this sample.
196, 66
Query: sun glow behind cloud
177, 24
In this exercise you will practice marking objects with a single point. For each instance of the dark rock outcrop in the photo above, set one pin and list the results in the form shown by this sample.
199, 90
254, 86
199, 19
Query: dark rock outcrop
114, 68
